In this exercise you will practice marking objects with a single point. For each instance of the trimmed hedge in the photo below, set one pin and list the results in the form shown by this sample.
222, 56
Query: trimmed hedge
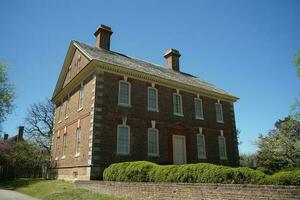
143, 171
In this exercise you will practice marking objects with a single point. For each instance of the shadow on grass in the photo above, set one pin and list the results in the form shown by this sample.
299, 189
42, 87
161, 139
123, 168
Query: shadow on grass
13, 184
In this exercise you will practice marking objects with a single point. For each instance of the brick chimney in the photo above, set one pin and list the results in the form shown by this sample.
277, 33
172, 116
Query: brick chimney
20, 133
102, 35
172, 59
5, 136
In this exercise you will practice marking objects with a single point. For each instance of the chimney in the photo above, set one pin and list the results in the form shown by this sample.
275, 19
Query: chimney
5, 136
20, 133
172, 59
102, 35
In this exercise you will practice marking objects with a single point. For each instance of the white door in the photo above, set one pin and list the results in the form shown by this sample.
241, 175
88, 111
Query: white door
179, 150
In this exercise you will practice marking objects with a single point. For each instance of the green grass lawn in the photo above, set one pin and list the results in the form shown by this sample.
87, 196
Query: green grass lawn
51, 190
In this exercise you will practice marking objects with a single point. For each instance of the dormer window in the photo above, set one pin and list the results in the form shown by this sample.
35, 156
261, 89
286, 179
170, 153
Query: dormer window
177, 103
152, 99
219, 112
124, 92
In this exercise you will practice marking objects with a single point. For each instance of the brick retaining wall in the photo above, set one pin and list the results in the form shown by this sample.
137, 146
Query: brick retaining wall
133, 190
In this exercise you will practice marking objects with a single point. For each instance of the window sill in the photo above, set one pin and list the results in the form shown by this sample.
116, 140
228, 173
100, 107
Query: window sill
57, 158
153, 155
223, 158
202, 158
124, 105
178, 114
63, 157
153, 110
221, 122
77, 155
67, 117
200, 118
80, 109
59, 121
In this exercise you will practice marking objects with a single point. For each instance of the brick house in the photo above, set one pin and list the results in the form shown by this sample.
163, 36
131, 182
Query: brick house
112, 108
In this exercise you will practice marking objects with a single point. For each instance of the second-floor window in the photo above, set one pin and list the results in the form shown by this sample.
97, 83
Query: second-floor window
81, 96
198, 108
124, 93
153, 145
219, 112
152, 99
123, 139
78, 138
177, 103
60, 112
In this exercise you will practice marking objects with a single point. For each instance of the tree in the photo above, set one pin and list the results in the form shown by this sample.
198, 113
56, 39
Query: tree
297, 62
280, 147
248, 160
39, 123
7, 93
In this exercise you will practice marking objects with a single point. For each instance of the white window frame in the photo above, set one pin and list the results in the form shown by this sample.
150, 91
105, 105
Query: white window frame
81, 97
157, 142
174, 104
64, 146
129, 94
201, 111
200, 134
77, 144
118, 152
67, 107
221, 112
225, 148
156, 94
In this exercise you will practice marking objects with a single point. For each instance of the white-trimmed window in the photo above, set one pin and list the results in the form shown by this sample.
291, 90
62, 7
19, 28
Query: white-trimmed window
67, 107
78, 138
81, 96
60, 112
177, 103
198, 109
201, 145
123, 139
219, 112
153, 142
124, 93
152, 99
222, 146
64, 144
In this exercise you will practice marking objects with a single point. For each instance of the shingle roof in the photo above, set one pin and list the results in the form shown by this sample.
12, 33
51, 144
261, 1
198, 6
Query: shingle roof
146, 67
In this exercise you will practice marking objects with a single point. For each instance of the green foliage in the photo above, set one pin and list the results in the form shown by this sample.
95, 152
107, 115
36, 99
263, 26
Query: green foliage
279, 148
285, 177
188, 173
7, 93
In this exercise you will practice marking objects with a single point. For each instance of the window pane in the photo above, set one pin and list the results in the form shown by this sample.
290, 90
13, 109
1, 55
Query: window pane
201, 146
123, 140
124, 93
78, 135
177, 104
222, 147
153, 141
219, 113
198, 108
152, 99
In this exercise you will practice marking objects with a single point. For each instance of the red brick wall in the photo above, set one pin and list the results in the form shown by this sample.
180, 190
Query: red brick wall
138, 118
131, 190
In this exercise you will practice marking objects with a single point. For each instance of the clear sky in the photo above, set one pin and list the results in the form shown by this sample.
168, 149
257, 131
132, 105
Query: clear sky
244, 47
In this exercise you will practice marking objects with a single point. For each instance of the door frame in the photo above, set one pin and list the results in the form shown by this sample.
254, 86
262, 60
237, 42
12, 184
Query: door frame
184, 147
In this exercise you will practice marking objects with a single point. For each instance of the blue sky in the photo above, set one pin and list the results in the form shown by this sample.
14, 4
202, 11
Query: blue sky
244, 47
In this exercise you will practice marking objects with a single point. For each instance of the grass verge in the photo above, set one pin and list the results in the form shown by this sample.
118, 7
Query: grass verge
52, 190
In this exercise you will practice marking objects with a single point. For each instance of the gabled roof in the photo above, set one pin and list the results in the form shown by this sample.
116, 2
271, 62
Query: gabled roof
124, 61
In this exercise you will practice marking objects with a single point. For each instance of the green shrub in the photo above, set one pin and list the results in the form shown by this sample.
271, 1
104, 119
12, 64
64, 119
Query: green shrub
284, 177
189, 173
128, 171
